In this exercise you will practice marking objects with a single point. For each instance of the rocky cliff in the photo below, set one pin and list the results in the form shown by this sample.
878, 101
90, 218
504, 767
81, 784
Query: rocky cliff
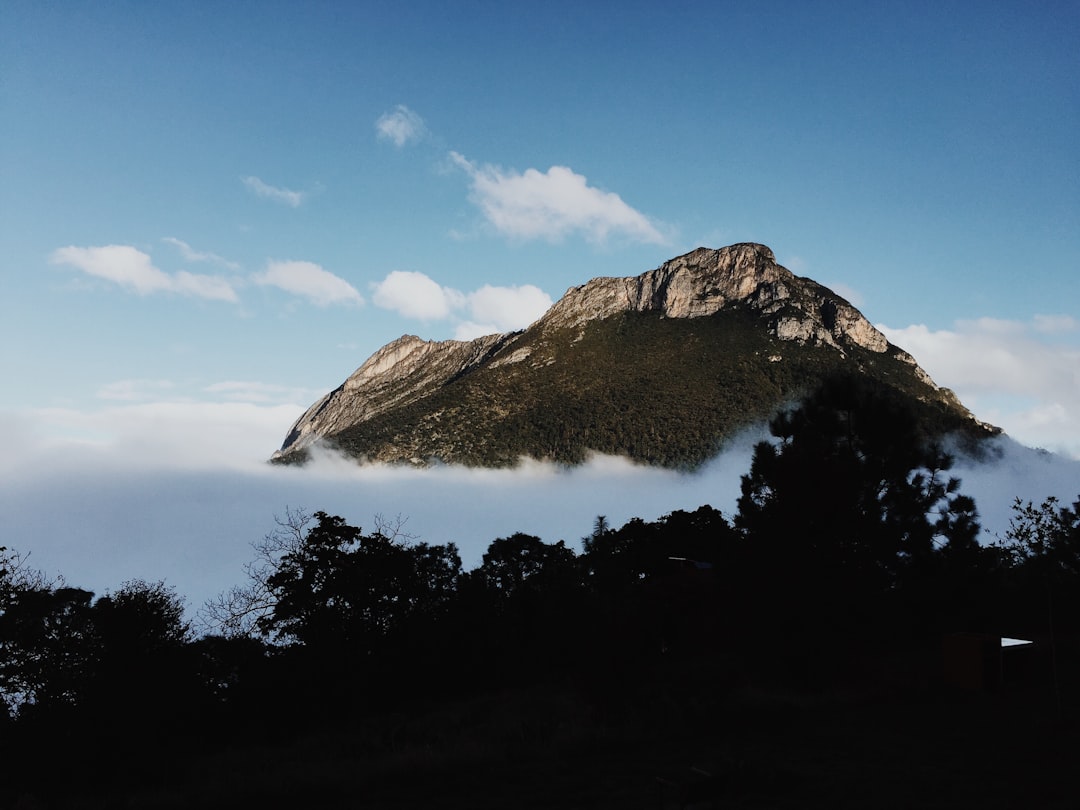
416, 400
705, 281
400, 372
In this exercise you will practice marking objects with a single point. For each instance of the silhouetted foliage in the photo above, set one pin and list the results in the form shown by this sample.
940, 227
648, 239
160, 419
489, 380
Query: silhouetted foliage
49, 646
62, 648
238, 611
368, 653
512, 564
341, 588
1042, 551
1045, 538
142, 656
848, 516
853, 480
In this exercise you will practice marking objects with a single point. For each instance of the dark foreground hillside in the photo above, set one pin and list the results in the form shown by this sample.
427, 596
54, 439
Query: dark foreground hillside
683, 737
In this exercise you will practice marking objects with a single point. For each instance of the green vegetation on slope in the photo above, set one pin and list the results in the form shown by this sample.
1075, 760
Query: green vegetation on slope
663, 391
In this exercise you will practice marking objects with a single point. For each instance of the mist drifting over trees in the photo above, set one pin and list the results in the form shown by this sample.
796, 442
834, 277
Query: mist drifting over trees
852, 554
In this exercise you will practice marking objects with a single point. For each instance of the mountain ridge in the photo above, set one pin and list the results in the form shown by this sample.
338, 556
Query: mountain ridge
407, 401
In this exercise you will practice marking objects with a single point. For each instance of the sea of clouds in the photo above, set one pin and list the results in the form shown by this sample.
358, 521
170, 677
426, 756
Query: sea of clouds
172, 494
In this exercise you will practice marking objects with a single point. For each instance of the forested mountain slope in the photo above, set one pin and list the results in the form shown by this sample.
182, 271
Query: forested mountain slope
662, 367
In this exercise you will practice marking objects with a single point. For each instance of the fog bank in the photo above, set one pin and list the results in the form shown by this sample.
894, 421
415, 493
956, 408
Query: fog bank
100, 518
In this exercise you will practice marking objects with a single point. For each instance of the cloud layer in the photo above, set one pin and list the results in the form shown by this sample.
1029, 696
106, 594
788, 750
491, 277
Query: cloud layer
553, 205
178, 491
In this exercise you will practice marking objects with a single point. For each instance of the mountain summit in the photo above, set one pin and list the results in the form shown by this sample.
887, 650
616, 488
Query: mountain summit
662, 367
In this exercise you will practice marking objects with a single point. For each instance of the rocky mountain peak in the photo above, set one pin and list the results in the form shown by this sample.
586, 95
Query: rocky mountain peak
704, 281
769, 332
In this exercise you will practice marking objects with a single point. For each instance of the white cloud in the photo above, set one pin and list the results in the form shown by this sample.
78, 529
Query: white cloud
131, 268
508, 308
553, 205
193, 255
281, 195
310, 281
121, 264
469, 330
1008, 374
491, 309
415, 295
214, 288
400, 126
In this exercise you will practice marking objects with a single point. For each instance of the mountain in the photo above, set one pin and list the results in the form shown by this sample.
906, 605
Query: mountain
662, 367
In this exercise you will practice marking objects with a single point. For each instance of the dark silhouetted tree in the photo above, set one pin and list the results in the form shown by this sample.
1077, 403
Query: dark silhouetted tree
141, 618
47, 643
1042, 545
321, 583
621, 559
238, 611
851, 503
1045, 538
143, 663
512, 564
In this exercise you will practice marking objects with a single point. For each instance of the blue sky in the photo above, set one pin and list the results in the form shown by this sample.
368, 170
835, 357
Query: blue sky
211, 214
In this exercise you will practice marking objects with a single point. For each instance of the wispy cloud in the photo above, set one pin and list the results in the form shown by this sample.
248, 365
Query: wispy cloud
213, 287
308, 280
1022, 376
192, 255
489, 309
281, 195
131, 268
553, 205
400, 126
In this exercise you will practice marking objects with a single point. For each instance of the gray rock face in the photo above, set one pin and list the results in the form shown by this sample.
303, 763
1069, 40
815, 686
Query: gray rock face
695, 285
398, 372
705, 281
